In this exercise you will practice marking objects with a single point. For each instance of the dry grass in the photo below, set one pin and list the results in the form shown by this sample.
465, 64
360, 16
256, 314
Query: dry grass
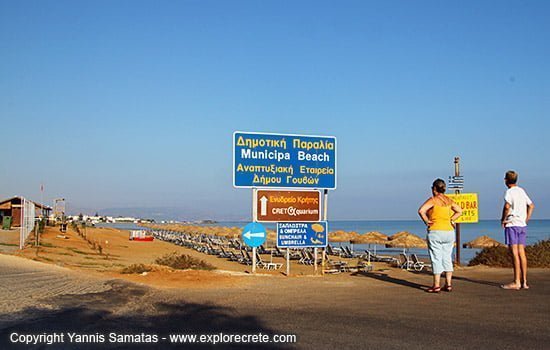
538, 255
183, 262
79, 251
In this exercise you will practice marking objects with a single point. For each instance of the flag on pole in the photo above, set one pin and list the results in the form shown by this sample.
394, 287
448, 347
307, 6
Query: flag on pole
41, 188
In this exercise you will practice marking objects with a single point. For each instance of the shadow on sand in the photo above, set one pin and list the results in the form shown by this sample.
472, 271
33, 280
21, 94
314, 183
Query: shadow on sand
487, 283
386, 278
97, 313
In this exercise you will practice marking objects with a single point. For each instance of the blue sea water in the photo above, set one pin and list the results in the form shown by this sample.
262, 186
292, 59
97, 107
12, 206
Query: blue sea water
538, 230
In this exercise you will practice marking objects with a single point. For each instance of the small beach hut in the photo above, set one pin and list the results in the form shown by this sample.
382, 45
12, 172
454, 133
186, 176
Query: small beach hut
483, 242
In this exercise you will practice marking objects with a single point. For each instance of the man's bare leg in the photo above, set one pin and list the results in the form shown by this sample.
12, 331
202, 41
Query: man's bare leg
523, 264
517, 269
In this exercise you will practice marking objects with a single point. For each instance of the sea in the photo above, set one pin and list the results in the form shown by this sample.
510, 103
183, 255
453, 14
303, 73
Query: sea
537, 230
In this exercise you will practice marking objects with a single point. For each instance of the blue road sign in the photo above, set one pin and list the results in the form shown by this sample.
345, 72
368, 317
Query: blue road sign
284, 161
302, 234
254, 234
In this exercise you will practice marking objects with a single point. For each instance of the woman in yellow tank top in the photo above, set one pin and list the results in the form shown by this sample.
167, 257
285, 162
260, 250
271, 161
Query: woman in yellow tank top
439, 213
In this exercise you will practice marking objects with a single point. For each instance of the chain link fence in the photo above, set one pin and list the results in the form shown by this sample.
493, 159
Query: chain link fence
27, 221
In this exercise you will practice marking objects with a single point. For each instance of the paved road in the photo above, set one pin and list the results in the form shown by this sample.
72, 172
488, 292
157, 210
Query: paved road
384, 310
28, 284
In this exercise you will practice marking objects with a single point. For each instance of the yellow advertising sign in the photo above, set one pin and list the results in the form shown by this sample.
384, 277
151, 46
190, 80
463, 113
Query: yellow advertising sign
468, 203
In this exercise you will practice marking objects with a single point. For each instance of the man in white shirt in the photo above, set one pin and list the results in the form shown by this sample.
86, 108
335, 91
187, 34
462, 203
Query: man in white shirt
516, 213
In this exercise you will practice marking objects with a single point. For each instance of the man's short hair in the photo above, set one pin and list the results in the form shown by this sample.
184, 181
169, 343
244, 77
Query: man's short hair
511, 177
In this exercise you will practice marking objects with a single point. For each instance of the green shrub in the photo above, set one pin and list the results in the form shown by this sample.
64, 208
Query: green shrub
493, 256
183, 262
41, 225
538, 255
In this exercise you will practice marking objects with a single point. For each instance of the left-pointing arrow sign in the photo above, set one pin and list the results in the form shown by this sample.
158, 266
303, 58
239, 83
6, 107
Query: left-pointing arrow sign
255, 234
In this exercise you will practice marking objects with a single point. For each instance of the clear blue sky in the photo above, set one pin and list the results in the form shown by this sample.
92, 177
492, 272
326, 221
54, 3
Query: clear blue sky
133, 104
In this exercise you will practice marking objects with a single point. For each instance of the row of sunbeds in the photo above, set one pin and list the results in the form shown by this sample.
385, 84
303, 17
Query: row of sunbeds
230, 249
234, 250
404, 261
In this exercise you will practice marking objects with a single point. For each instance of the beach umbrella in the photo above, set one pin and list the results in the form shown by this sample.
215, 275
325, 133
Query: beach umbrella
406, 241
336, 236
483, 242
399, 235
271, 236
342, 236
372, 237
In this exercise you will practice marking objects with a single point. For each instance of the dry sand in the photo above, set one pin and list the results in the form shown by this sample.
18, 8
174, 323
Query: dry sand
9, 241
75, 252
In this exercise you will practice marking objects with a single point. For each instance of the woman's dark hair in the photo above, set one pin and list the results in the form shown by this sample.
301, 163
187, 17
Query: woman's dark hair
439, 186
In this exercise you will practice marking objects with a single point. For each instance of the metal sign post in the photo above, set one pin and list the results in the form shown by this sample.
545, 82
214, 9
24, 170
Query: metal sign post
253, 259
457, 183
287, 262
254, 195
315, 259
325, 206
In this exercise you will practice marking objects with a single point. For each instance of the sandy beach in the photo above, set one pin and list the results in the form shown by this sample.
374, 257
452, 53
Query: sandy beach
46, 290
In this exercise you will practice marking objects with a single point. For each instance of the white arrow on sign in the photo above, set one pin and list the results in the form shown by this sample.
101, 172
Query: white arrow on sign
249, 234
263, 206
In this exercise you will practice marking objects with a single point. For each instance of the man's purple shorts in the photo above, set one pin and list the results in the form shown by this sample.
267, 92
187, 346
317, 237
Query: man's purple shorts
515, 235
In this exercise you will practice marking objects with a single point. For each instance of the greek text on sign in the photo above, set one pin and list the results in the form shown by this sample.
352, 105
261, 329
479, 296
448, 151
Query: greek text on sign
469, 204
281, 160
277, 206
302, 234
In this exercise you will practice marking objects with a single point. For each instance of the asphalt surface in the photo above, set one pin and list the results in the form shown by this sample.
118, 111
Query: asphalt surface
382, 310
